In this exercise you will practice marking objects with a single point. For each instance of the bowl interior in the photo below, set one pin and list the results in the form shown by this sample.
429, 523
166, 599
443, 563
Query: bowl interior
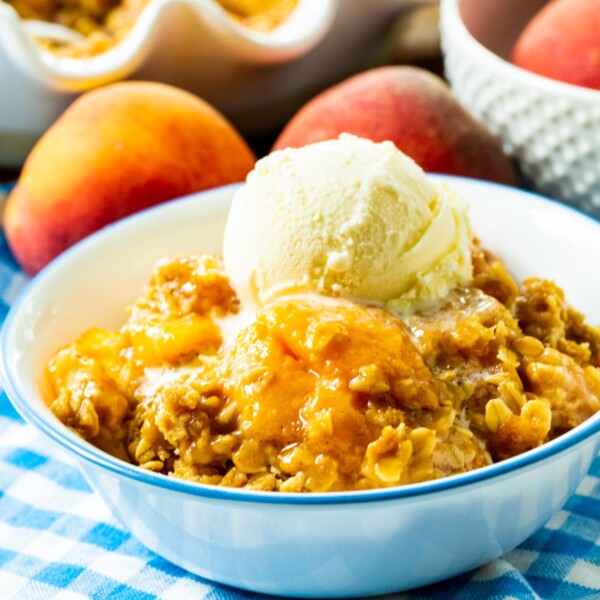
93, 283
497, 25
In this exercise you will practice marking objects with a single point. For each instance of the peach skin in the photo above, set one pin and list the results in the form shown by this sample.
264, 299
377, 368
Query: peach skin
115, 151
414, 109
562, 42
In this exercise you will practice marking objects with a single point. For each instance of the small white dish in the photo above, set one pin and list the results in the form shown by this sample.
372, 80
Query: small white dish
309, 545
256, 79
551, 128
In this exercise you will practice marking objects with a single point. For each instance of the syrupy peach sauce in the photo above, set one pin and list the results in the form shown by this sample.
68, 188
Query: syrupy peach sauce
322, 394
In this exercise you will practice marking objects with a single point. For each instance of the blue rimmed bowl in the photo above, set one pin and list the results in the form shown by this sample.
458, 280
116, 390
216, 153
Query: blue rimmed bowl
308, 545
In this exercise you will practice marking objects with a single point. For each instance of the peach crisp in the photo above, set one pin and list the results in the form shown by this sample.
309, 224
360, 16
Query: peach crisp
104, 23
320, 394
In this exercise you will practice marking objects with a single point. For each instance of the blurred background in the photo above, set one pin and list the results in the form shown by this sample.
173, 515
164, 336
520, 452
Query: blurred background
260, 61
257, 84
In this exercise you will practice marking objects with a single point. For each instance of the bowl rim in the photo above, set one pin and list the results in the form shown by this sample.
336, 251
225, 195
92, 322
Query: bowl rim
84, 451
452, 25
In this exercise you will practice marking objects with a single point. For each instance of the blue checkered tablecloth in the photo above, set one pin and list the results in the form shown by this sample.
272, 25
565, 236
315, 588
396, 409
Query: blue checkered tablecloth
58, 539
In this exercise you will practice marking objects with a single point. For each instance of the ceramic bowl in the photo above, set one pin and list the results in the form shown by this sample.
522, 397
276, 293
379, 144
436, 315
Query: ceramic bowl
257, 79
551, 128
308, 545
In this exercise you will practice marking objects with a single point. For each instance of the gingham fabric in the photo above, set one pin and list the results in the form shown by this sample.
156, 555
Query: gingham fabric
58, 539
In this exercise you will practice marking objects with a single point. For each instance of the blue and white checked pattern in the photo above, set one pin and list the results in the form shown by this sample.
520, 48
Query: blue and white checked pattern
58, 539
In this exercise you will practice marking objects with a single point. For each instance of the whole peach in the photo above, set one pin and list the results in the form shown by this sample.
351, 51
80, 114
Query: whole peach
411, 107
563, 42
115, 151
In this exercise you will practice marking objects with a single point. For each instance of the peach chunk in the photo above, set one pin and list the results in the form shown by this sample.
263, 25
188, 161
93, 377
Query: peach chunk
414, 109
310, 356
115, 151
562, 42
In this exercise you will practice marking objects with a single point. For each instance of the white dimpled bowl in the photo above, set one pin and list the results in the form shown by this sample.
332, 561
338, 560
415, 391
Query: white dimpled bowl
323, 545
551, 128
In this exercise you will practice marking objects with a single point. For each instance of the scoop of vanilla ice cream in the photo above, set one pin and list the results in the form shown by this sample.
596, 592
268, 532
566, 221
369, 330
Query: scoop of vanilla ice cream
346, 217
